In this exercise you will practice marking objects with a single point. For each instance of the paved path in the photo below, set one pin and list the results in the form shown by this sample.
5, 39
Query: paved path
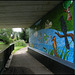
23, 63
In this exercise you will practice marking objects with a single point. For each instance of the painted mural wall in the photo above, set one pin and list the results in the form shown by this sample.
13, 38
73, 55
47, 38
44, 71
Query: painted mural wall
54, 33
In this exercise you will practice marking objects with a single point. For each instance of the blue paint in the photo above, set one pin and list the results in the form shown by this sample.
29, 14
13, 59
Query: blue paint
39, 42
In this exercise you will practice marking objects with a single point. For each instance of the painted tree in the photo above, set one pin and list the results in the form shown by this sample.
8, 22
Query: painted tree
67, 5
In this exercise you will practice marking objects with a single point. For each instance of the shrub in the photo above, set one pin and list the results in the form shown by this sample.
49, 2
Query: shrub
20, 43
10, 40
5, 39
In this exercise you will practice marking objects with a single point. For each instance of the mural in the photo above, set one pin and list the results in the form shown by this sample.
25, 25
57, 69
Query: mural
54, 33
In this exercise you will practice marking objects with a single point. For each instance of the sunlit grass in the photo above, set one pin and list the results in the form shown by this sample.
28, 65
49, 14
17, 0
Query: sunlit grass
1, 43
17, 48
3, 46
18, 45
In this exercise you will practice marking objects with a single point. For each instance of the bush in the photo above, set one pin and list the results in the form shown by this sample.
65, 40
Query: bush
10, 40
20, 43
5, 39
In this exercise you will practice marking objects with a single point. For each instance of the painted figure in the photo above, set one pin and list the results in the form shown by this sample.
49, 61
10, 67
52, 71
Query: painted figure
67, 5
45, 37
69, 17
55, 46
64, 30
45, 49
48, 24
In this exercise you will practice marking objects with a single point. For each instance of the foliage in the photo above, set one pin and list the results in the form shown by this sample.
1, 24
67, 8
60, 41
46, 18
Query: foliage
1, 43
5, 39
15, 36
24, 35
20, 43
6, 32
5, 35
17, 48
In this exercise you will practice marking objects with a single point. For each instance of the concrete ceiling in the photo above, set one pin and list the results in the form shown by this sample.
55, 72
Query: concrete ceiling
23, 14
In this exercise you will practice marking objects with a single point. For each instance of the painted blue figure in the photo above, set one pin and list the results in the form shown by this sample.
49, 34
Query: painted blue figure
64, 30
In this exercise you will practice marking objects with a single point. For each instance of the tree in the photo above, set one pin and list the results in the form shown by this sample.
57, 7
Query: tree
5, 35
6, 32
24, 34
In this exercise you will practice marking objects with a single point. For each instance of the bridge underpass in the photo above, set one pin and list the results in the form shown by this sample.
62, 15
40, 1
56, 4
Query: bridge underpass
23, 63
24, 14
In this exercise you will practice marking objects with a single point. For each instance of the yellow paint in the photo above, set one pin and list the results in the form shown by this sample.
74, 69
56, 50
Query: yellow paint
32, 45
37, 46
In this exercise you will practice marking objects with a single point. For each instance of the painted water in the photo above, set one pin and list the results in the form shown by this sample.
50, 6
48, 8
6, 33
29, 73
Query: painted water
41, 40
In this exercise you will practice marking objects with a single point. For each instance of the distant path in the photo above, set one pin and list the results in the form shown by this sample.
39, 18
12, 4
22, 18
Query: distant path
23, 63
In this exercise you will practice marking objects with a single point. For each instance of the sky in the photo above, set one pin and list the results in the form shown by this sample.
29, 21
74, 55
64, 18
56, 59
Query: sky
17, 29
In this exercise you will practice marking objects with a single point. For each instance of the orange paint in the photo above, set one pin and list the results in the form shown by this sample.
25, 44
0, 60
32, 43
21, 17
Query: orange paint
54, 46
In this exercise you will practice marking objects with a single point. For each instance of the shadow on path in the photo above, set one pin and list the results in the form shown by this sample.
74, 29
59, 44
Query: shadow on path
18, 70
23, 63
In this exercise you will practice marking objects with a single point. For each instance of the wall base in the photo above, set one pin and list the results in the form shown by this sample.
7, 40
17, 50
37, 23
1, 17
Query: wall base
56, 65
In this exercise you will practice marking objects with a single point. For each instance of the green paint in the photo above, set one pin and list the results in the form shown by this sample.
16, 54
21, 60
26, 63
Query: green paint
45, 37
54, 16
66, 3
48, 24
64, 55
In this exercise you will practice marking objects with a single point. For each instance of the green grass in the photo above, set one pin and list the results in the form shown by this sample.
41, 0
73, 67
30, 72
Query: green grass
18, 45
17, 48
1, 43
3, 46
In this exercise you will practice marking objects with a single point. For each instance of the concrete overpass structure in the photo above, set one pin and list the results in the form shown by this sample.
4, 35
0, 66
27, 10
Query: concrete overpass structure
23, 14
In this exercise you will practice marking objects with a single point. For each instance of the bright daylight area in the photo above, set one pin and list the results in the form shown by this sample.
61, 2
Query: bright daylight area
18, 36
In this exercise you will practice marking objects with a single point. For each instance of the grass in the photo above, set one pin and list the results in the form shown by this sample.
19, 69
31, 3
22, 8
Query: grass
17, 48
3, 46
1, 43
18, 45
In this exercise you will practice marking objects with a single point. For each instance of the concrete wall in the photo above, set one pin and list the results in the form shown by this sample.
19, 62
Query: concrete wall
54, 33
